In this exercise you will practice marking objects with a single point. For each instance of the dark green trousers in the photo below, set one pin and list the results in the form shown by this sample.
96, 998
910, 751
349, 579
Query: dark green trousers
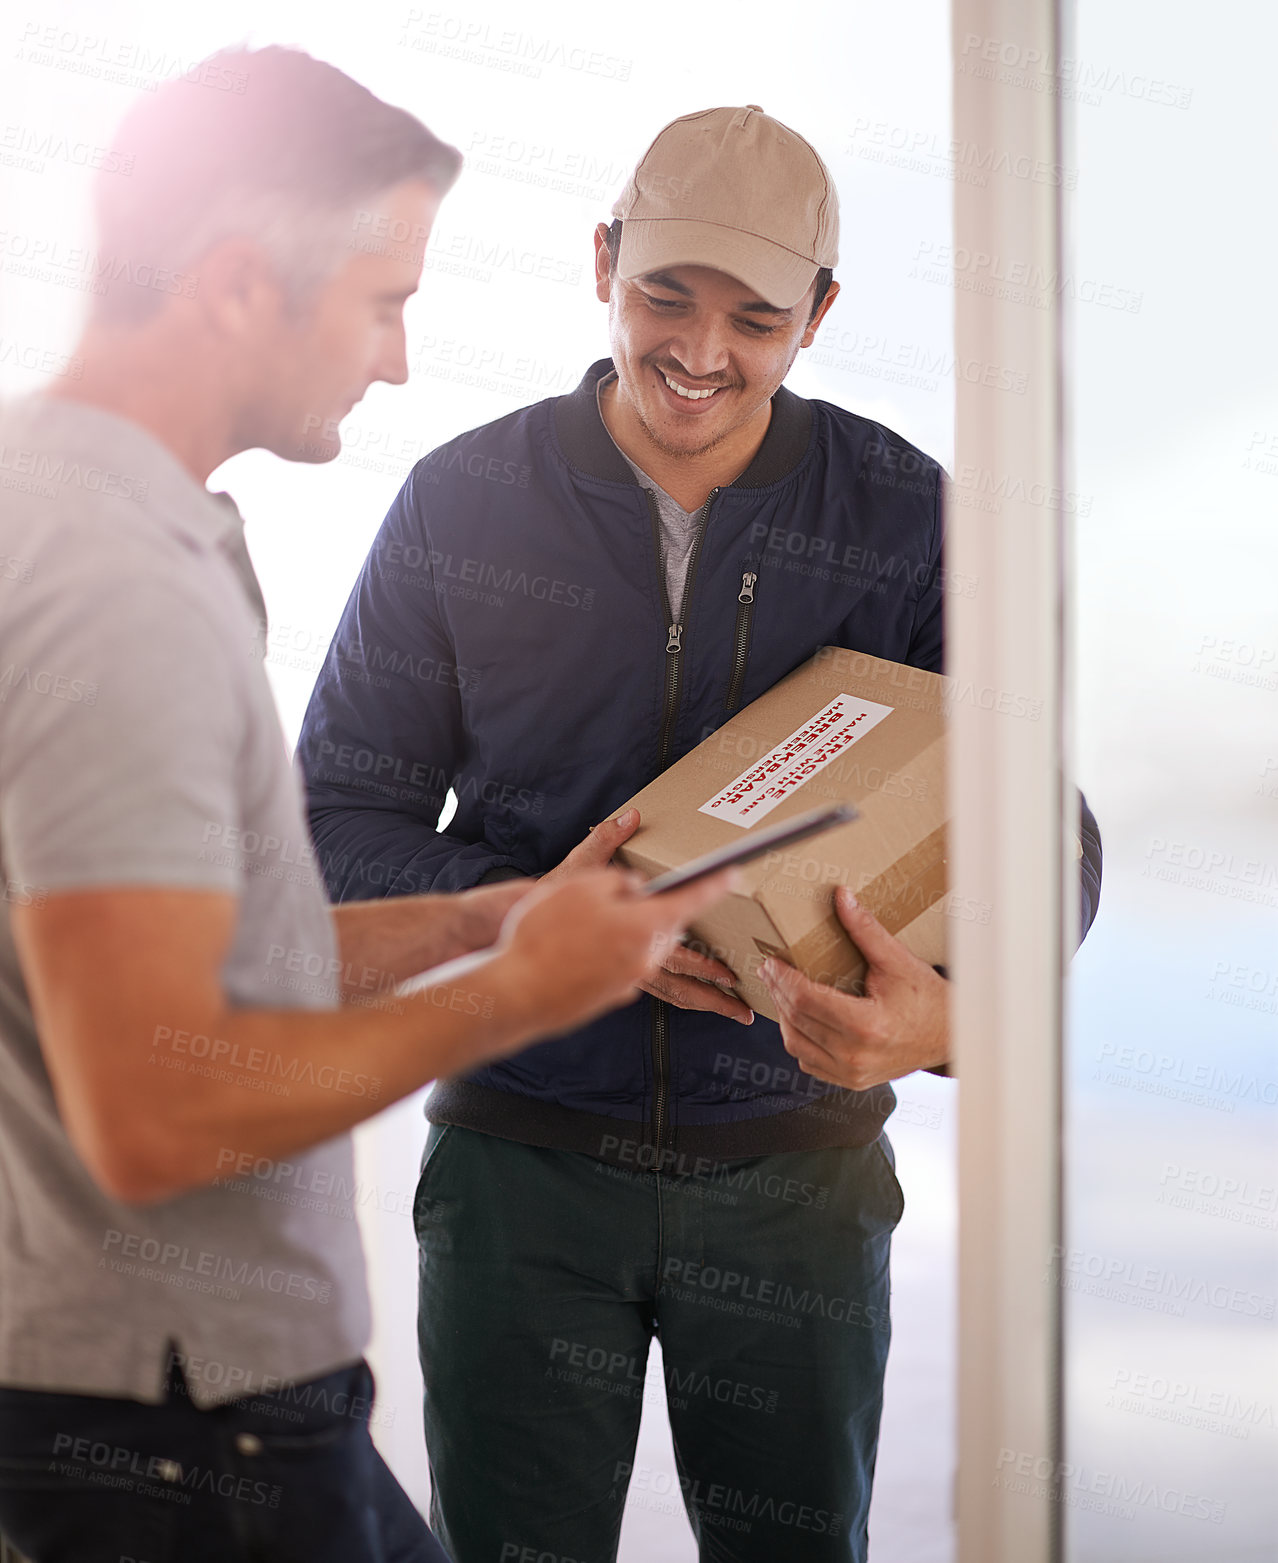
544, 1276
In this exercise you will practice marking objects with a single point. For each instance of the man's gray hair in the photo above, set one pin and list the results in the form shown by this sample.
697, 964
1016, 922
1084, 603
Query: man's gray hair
267, 144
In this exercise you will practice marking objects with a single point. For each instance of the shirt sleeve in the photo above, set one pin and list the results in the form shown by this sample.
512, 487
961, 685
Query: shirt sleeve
121, 730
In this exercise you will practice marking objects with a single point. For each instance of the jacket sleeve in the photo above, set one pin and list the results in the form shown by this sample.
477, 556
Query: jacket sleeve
1089, 868
1089, 873
927, 636
383, 734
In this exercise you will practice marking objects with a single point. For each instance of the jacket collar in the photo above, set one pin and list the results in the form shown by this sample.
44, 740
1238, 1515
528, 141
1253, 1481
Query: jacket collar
589, 447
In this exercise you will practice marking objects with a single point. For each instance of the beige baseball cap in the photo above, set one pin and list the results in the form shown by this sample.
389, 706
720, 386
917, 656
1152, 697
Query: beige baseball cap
737, 190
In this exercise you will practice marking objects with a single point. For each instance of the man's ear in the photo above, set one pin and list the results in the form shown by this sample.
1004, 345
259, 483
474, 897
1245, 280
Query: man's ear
238, 287
814, 324
603, 265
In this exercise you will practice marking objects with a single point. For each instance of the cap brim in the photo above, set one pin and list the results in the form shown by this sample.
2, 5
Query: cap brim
775, 274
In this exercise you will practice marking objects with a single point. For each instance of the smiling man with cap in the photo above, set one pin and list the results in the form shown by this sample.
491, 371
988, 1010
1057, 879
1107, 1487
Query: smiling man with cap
576, 596
726, 232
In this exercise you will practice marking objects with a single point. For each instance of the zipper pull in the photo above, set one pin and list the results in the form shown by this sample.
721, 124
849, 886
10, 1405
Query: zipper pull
674, 641
746, 593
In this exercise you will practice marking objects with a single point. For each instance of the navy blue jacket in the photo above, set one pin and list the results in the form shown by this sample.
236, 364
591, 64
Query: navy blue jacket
509, 637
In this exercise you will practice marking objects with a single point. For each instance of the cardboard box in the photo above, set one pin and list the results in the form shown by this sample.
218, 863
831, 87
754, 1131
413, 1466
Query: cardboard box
843, 727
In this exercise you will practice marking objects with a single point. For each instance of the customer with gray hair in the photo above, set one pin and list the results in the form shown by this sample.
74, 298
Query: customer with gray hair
187, 1028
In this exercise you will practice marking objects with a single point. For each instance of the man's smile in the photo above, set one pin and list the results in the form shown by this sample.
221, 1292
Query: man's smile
688, 397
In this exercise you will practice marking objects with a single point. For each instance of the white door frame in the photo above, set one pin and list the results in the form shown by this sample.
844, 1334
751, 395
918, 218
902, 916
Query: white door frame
1008, 778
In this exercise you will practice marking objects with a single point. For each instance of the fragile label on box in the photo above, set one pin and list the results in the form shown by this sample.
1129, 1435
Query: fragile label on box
809, 749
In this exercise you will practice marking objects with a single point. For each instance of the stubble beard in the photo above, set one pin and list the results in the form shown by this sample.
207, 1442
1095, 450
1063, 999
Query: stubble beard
667, 448
676, 451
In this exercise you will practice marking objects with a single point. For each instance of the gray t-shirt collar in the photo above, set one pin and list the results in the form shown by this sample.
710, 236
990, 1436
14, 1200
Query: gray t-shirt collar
141, 468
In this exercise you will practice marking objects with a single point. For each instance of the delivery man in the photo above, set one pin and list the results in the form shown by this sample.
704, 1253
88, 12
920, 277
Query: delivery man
611, 574
187, 1029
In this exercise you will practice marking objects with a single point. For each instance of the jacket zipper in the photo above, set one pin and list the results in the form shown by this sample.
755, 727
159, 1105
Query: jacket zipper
674, 627
745, 619
670, 710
